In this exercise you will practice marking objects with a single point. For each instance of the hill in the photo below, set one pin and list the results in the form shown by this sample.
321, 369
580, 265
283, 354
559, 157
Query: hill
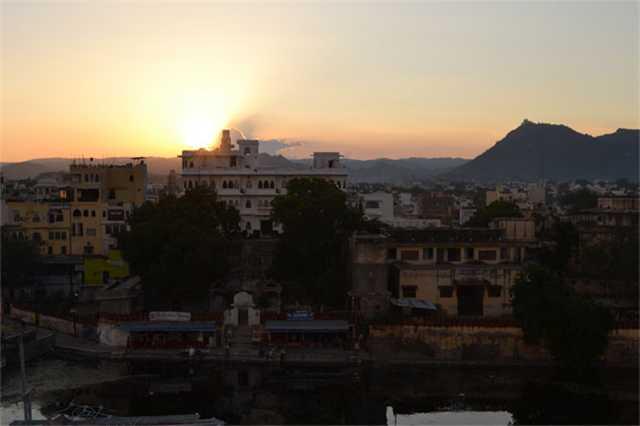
535, 151
402, 171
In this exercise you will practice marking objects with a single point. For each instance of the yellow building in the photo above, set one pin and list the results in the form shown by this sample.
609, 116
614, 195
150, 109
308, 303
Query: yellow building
113, 184
48, 224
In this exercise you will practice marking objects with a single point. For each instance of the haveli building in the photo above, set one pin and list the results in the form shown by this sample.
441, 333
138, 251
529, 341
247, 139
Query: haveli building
467, 272
75, 222
247, 180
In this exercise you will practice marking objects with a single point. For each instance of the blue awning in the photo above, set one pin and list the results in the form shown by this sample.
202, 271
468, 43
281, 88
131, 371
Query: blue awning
414, 304
307, 326
166, 326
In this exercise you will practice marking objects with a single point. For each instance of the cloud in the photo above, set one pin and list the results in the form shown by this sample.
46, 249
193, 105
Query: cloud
276, 146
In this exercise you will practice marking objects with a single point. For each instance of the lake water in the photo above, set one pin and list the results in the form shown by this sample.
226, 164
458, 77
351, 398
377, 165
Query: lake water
359, 395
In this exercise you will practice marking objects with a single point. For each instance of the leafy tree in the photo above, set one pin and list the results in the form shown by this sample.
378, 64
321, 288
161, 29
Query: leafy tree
20, 259
579, 200
180, 246
574, 329
494, 210
311, 255
563, 237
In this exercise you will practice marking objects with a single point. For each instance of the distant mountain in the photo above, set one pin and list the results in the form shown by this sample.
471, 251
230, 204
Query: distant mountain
33, 168
402, 171
535, 151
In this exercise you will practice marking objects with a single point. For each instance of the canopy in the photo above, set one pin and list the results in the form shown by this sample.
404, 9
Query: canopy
414, 304
307, 326
166, 326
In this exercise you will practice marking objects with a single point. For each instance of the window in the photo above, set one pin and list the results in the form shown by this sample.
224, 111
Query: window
453, 254
85, 213
248, 204
130, 178
224, 184
57, 235
63, 235
249, 184
487, 255
409, 291
468, 253
93, 213
88, 194
494, 291
233, 162
112, 194
259, 184
63, 250
371, 204
272, 185
49, 250
51, 236
88, 249
409, 254
77, 213
36, 218
392, 254
427, 253
77, 230
446, 290
504, 254
36, 236
86, 178
91, 232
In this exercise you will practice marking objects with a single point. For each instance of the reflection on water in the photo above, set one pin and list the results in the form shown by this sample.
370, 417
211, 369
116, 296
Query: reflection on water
450, 418
245, 394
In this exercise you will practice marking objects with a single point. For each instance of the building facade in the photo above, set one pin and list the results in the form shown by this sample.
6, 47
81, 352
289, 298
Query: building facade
463, 271
249, 181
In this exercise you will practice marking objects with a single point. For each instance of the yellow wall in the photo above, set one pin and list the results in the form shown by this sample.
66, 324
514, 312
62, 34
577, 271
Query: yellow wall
33, 218
94, 266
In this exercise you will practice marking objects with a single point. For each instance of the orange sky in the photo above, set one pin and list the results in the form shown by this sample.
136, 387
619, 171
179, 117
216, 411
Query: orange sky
434, 79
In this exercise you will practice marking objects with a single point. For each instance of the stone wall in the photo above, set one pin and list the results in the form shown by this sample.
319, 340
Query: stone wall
482, 343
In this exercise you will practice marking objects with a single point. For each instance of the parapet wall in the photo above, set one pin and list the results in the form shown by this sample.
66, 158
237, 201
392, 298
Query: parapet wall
482, 343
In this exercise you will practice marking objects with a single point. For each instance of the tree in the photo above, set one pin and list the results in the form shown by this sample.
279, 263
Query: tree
563, 237
311, 254
497, 209
20, 259
579, 200
574, 329
180, 246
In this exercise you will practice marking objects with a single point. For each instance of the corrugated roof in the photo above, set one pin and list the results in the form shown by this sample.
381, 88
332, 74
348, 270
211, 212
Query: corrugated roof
308, 326
167, 326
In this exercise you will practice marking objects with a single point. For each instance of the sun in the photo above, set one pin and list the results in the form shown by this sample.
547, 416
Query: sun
198, 129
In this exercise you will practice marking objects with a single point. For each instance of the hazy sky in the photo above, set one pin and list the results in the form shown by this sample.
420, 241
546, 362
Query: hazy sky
370, 80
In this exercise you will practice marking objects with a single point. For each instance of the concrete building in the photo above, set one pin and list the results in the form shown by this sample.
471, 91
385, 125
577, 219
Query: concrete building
463, 271
247, 180
377, 205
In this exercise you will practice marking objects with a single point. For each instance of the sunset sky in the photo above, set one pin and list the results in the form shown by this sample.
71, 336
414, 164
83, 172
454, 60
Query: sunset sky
370, 80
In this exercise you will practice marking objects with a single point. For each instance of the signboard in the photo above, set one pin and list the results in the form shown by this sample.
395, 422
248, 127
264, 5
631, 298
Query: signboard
300, 315
169, 316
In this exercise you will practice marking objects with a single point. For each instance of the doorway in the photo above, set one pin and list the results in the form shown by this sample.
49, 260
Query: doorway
470, 300
243, 317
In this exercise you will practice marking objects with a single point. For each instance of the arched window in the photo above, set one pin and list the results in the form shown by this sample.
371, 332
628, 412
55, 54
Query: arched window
77, 213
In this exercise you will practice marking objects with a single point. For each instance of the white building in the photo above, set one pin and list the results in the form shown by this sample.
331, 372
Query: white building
247, 180
378, 205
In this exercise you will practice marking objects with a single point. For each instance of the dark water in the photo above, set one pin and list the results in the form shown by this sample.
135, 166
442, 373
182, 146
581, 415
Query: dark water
272, 395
